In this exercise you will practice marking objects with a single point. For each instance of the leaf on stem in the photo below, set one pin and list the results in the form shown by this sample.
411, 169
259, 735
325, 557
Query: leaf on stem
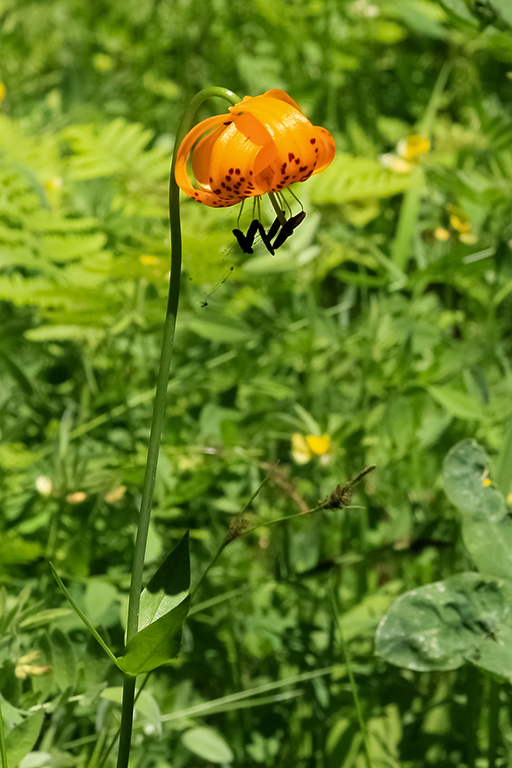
164, 605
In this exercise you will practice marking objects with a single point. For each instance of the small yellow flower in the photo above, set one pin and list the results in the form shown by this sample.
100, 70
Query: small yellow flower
460, 222
486, 481
412, 147
2, 92
24, 666
462, 225
509, 498
149, 261
407, 153
76, 498
468, 238
115, 495
442, 234
54, 184
305, 448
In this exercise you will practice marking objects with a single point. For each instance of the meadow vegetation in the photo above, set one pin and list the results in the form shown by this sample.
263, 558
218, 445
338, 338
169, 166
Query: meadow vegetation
382, 328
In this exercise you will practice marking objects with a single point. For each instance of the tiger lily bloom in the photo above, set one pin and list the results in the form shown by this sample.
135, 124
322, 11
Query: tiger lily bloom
262, 146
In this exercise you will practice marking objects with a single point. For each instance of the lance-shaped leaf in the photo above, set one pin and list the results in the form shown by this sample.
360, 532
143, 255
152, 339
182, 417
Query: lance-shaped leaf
156, 644
169, 586
163, 608
486, 524
442, 625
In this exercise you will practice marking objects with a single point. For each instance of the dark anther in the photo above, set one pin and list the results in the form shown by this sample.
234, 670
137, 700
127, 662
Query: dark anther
242, 241
245, 241
288, 229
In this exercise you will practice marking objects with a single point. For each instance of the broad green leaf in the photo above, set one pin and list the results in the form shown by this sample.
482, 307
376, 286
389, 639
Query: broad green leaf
486, 524
168, 587
442, 625
156, 644
36, 760
22, 738
208, 744
458, 403
64, 660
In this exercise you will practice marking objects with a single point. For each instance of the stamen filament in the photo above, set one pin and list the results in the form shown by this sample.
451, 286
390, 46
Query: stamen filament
277, 208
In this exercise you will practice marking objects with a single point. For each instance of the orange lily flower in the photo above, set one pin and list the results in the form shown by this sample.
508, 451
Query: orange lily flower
263, 145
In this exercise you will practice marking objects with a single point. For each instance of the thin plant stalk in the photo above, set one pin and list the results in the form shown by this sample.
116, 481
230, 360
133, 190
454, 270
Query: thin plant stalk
353, 686
158, 412
3, 748
494, 711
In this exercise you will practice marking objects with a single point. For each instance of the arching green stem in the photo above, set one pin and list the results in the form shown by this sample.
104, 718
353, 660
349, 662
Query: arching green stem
157, 421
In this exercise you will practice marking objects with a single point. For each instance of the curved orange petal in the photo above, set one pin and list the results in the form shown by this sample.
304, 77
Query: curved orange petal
201, 156
326, 149
235, 159
293, 135
203, 195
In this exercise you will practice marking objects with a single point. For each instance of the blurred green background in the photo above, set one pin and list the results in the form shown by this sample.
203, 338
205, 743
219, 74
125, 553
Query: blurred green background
383, 323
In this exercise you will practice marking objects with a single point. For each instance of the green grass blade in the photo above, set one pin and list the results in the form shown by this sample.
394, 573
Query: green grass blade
504, 463
83, 617
3, 748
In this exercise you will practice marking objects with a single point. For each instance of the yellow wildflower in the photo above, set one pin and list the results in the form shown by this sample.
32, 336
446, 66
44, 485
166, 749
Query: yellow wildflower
442, 234
24, 666
305, 448
115, 495
407, 153
76, 498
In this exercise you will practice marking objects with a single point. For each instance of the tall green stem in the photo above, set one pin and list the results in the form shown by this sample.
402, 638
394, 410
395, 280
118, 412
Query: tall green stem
159, 411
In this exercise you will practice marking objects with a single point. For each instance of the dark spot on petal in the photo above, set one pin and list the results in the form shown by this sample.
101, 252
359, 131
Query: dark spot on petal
290, 156
303, 168
297, 160
222, 184
229, 189
228, 122
286, 178
230, 170
228, 178
312, 141
237, 171
242, 178
316, 149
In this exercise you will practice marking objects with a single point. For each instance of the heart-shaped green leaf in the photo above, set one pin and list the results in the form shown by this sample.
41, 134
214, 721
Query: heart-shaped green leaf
486, 524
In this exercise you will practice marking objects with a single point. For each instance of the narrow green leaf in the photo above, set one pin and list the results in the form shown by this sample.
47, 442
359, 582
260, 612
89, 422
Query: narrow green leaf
486, 524
168, 587
22, 738
401, 249
82, 616
41, 618
440, 626
3, 748
156, 644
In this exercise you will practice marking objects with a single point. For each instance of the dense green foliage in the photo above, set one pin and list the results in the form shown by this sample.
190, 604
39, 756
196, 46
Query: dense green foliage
384, 322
